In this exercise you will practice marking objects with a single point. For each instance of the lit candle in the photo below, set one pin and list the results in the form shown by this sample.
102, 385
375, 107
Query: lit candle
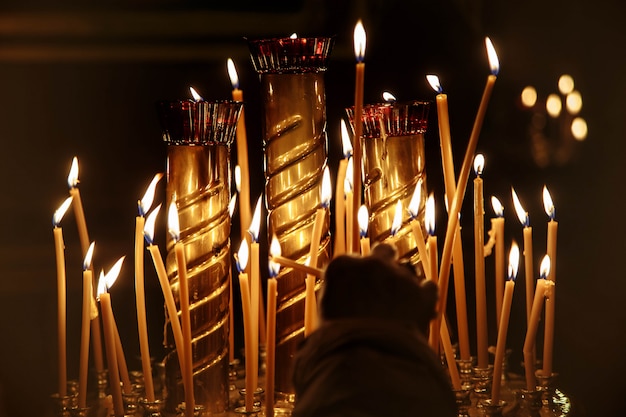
59, 248
339, 248
144, 206
453, 370
183, 295
497, 225
81, 225
455, 204
347, 185
548, 340
83, 370
416, 227
231, 306
544, 288
255, 289
431, 247
479, 265
359, 51
270, 351
242, 260
504, 323
363, 225
396, 223
242, 151
522, 215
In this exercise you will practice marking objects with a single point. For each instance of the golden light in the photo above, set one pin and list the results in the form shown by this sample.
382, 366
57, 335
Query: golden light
195, 95
498, 209
111, 276
60, 212
387, 96
433, 80
102, 286
554, 105
522, 215
148, 198
148, 227
479, 164
327, 189
396, 224
173, 225
88, 256
513, 261
574, 102
232, 73
548, 205
346, 144
360, 40
416, 200
529, 96
242, 256
232, 204
294, 35
363, 218
72, 178
275, 250
544, 269
494, 63
255, 223
579, 128
347, 183
429, 215
238, 178
566, 84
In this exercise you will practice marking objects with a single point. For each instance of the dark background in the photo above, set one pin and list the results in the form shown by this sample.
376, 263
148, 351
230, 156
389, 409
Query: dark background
82, 81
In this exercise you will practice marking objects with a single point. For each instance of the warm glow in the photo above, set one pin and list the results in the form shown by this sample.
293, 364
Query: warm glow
359, 41
242, 256
60, 212
275, 247
195, 95
429, 215
433, 80
498, 209
544, 270
148, 228
238, 178
347, 183
513, 261
88, 256
72, 178
232, 73
387, 96
529, 96
173, 225
479, 164
494, 64
554, 105
255, 223
396, 224
579, 128
232, 204
114, 272
327, 189
363, 219
294, 35
102, 286
416, 200
275, 250
346, 144
548, 205
566, 84
574, 102
146, 202
522, 215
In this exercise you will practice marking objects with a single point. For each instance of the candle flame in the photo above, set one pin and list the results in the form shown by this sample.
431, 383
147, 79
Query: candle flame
554, 105
255, 223
146, 202
494, 63
195, 95
522, 215
387, 96
327, 189
479, 164
173, 223
497, 206
102, 286
345, 140
149, 225
363, 219
513, 261
275, 250
544, 270
396, 224
433, 80
429, 215
242, 256
60, 212
566, 84
72, 178
88, 256
111, 276
232, 74
238, 178
416, 200
294, 35
347, 184
359, 41
547, 203
232, 204
529, 96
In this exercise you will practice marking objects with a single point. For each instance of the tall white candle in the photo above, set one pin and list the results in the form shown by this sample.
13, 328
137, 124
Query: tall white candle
479, 266
548, 340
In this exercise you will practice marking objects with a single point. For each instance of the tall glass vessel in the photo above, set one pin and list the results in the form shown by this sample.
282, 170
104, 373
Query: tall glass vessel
198, 135
295, 154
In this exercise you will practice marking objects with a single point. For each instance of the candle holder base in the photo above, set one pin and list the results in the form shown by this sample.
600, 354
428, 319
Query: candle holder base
482, 378
242, 410
64, 404
466, 369
463, 402
554, 401
102, 382
151, 408
492, 409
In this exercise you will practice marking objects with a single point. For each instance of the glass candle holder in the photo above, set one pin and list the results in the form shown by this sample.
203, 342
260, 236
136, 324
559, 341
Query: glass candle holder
393, 163
199, 135
295, 154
